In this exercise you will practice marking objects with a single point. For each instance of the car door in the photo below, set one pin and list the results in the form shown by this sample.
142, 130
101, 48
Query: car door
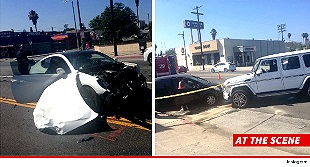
29, 88
270, 80
293, 74
189, 85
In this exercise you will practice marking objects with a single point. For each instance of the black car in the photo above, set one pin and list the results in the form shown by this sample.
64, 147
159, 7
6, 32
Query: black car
183, 89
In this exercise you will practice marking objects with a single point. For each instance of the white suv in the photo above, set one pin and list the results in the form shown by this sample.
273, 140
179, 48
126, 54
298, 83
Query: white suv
278, 74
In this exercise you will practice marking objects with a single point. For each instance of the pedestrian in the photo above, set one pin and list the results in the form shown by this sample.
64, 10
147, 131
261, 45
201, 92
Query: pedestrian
87, 45
22, 60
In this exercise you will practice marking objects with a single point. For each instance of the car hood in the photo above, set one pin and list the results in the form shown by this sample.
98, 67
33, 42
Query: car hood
239, 79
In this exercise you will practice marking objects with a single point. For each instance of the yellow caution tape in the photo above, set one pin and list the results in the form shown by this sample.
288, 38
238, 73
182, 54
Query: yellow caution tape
187, 93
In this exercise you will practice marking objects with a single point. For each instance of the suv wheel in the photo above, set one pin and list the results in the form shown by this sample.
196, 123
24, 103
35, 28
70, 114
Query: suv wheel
212, 70
240, 99
225, 70
150, 58
306, 90
210, 99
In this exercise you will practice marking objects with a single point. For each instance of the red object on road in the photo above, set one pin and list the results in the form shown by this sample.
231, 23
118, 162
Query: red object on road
219, 76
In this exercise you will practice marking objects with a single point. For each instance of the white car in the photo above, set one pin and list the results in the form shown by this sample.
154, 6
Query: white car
148, 55
98, 76
223, 67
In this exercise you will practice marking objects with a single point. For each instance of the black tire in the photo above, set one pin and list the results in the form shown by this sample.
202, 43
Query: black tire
225, 70
306, 89
91, 98
149, 58
240, 99
212, 70
210, 99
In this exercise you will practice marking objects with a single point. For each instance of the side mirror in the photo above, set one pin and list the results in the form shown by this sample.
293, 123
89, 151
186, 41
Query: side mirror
60, 71
259, 72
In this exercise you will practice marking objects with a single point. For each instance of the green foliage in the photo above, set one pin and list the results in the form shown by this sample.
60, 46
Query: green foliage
33, 16
292, 46
170, 52
213, 33
125, 22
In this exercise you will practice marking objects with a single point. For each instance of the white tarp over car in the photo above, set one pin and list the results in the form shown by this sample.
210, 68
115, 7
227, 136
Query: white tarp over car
61, 108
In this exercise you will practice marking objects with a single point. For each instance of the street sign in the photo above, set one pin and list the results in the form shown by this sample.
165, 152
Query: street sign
193, 24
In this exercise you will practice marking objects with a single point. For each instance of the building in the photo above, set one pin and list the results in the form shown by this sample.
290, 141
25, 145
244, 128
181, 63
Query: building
239, 51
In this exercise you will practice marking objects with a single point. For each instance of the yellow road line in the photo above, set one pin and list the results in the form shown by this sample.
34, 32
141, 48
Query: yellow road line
186, 93
113, 120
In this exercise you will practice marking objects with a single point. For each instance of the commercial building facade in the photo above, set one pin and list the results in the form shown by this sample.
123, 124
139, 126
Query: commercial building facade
239, 51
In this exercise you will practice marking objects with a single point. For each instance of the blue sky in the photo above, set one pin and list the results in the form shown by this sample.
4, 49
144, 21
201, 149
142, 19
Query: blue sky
57, 13
235, 19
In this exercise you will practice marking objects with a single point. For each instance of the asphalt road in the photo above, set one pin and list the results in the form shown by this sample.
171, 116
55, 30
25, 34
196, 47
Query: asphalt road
19, 136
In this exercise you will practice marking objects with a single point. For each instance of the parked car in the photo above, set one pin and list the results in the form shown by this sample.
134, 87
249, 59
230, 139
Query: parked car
182, 69
173, 85
223, 67
148, 55
104, 82
273, 75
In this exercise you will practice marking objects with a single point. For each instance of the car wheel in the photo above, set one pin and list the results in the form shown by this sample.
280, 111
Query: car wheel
210, 99
306, 90
150, 58
240, 99
91, 98
212, 70
225, 70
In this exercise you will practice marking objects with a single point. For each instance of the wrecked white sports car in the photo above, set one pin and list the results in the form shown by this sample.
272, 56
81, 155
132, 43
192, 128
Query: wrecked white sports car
74, 87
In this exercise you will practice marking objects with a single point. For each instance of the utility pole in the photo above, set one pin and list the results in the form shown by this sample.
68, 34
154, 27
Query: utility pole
282, 28
76, 35
113, 28
184, 48
199, 35
81, 26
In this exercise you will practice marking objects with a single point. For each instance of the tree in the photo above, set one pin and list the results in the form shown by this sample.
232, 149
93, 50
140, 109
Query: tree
125, 22
170, 52
33, 16
289, 36
213, 33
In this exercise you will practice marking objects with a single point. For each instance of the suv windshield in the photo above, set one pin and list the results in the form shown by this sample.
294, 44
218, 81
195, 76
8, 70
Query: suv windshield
255, 66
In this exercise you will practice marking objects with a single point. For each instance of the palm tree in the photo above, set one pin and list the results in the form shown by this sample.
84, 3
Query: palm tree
33, 16
213, 33
137, 5
304, 36
289, 36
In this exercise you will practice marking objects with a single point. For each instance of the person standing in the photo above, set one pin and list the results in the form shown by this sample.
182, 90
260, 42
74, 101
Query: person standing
22, 60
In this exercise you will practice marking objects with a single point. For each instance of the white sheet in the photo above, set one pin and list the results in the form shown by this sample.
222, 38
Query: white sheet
61, 107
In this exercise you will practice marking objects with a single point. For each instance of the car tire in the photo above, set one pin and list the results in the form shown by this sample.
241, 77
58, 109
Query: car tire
306, 89
91, 98
225, 70
149, 58
210, 99
212, 70
240, 99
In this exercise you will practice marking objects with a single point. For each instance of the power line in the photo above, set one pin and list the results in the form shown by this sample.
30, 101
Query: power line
282, 28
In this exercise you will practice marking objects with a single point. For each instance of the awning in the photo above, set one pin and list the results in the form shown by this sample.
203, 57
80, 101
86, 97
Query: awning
60, 37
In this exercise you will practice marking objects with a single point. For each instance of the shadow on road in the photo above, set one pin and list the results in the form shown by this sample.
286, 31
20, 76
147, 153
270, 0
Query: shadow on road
279, 100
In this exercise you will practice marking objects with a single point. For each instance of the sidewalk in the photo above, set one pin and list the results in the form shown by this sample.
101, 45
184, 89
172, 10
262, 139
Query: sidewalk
212, 134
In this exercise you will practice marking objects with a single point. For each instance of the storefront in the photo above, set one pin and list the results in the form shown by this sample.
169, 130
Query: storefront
239, 51
210, 53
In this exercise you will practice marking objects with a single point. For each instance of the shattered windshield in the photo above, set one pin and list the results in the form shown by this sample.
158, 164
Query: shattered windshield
89, 60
